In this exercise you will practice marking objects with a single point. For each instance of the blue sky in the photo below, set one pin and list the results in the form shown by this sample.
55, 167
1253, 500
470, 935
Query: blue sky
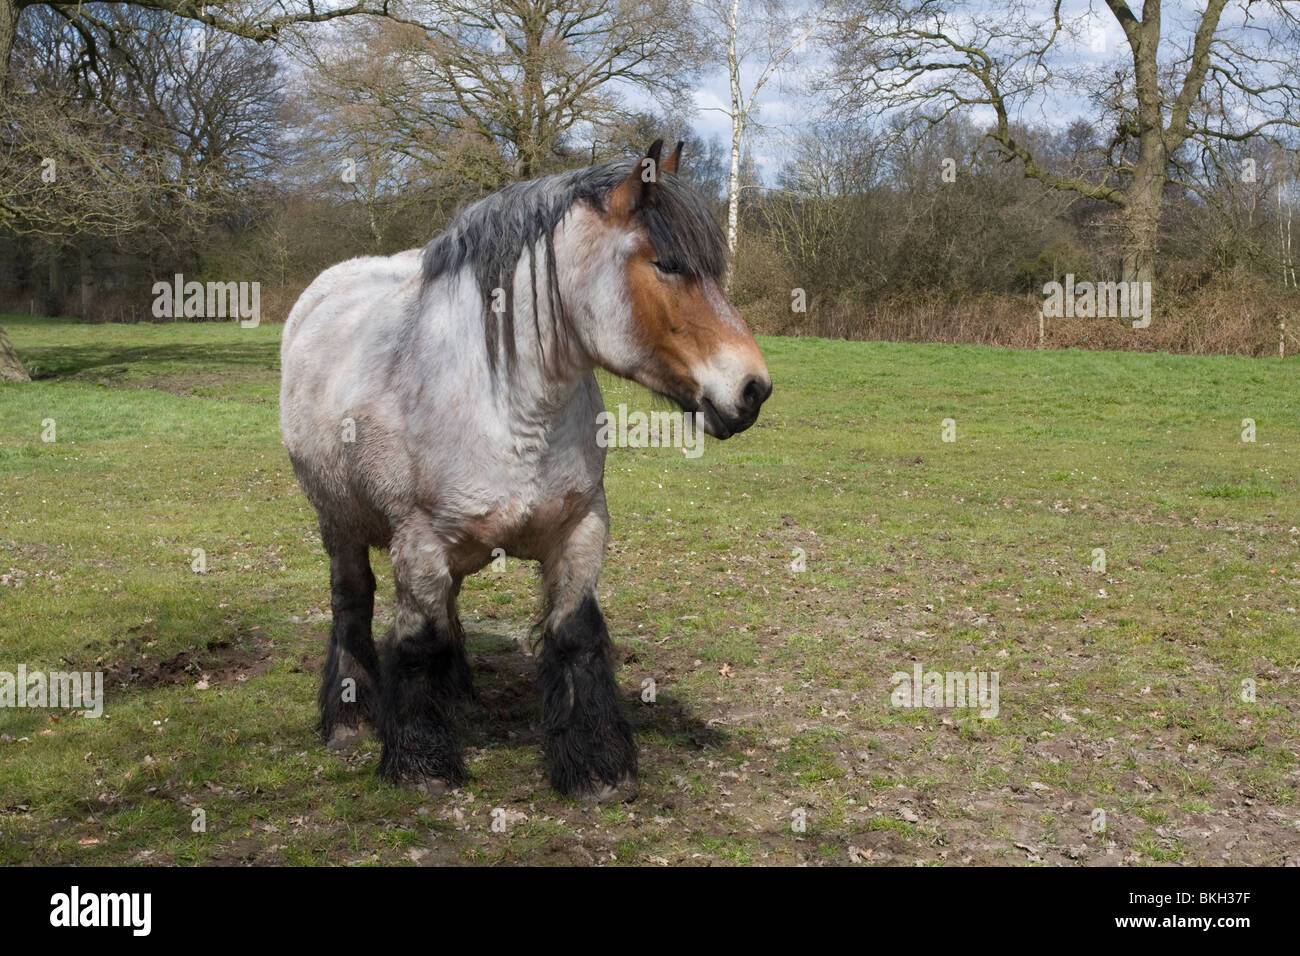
786, 109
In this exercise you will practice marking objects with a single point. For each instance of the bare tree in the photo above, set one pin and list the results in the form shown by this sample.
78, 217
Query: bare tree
253, 21
1183, 87
757, 38
523, 76
98, 194
367, 132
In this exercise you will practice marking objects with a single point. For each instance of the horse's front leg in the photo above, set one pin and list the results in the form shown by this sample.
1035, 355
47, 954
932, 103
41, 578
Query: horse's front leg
424, 669
349, 685
590, 753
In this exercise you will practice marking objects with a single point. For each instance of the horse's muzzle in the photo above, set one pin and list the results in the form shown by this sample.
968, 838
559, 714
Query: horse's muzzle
721, 424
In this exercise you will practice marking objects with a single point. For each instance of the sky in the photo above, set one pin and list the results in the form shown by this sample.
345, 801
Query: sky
786, 108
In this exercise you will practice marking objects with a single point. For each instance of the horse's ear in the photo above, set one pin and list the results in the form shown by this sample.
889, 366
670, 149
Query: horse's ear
670, 164
641, 186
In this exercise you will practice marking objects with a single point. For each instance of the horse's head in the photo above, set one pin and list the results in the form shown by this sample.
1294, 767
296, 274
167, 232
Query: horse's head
658, 314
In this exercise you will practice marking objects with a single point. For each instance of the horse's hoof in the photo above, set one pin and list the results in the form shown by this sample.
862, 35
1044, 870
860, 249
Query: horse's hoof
600, 792
428, 786
346, 738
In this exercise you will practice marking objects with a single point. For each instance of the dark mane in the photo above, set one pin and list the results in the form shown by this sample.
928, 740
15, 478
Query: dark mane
490, 235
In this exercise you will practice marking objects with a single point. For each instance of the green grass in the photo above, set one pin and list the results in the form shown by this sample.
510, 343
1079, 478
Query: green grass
1119, 690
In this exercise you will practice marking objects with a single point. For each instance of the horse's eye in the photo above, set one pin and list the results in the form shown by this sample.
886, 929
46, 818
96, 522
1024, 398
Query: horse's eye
668, 268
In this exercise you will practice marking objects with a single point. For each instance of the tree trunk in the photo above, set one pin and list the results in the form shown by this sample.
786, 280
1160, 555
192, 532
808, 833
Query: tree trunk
11, 370
531, 150
87, 286
1141, 226
733, 201
737, 128
1141, 219
54, 288
8, 31
1141, 214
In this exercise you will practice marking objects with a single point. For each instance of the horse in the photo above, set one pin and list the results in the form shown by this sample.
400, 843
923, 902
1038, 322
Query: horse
443, 405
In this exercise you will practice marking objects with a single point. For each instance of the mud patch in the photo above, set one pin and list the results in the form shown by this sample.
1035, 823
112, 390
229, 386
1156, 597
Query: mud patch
133, 662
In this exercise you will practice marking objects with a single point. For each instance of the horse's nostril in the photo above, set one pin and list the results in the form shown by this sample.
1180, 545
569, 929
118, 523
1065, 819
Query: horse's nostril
754, 394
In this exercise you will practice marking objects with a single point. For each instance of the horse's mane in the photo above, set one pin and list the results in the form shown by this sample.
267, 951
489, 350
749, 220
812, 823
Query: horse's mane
490, 235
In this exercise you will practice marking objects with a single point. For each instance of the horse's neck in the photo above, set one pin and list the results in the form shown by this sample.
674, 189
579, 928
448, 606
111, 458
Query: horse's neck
540, 387
550, 363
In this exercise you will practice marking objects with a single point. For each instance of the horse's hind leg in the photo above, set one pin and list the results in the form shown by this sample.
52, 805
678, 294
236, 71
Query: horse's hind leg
462, 676
423, 667
590, 752
349, 688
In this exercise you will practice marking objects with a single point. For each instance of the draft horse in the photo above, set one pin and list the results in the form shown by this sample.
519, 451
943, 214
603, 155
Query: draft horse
442, 404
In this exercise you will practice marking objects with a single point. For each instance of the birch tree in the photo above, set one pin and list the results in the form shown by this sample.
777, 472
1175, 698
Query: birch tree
757, 37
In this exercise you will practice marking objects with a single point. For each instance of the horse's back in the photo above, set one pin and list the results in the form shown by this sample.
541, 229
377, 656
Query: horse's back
362, 275
332, 354
333, 329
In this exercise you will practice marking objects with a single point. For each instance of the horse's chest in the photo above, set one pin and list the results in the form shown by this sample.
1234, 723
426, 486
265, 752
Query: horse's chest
528, 526
521, 488
518, 502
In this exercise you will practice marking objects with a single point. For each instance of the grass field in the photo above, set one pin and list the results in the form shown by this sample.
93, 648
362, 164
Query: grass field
772, 737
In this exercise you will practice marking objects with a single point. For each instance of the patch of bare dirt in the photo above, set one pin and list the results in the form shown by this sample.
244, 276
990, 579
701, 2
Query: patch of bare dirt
134, 662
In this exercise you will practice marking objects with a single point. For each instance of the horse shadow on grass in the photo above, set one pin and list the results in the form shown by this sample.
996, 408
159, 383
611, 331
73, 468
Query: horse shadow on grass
506, 711
90, 361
